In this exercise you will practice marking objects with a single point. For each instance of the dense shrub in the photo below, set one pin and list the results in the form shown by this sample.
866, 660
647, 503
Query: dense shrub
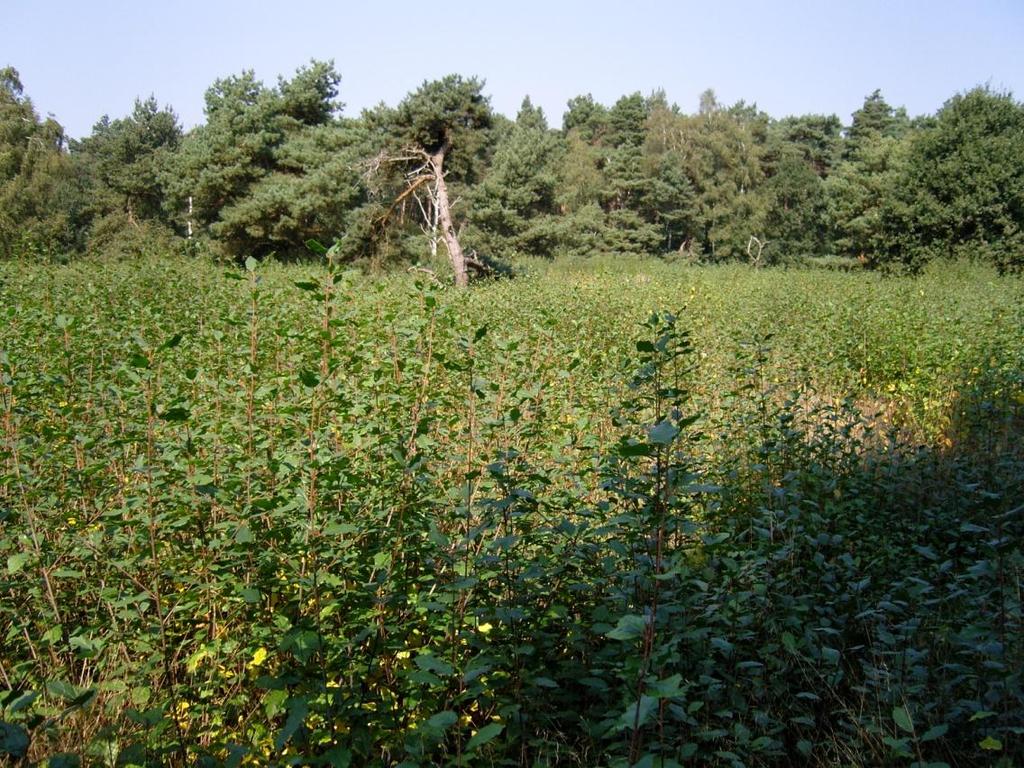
295, 516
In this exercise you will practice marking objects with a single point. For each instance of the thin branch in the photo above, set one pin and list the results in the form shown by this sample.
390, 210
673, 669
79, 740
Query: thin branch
428, 272
374, 164
401, 198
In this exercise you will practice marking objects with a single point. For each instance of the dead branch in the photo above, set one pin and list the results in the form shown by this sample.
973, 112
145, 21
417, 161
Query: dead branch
411, 189
755, 261
481, 267
428, 272
372, 166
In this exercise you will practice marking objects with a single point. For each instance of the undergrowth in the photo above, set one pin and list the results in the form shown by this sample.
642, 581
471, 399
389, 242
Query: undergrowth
287, 516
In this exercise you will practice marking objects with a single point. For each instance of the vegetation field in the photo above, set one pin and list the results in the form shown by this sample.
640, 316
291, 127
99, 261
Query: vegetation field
601, 514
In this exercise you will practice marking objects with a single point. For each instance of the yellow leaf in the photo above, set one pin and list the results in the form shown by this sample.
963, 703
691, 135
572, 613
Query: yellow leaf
193, 661
485, 628
258, 657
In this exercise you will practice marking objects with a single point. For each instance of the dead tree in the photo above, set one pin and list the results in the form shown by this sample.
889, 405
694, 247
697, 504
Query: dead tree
431, 222
428, 175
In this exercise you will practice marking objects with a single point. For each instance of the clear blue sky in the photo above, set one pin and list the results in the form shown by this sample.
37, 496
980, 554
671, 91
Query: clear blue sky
82, 59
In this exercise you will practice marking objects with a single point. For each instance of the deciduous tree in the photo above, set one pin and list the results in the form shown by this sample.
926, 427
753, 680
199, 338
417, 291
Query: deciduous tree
961, 191
41, 198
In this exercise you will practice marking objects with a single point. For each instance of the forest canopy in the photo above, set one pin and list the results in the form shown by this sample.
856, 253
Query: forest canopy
276, 166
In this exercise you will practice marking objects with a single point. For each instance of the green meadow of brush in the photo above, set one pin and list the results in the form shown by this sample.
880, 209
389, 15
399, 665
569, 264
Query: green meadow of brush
605, 513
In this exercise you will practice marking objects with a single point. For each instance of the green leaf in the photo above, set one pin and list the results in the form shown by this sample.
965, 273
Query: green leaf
141, 695
662, 433
991, 743
900, 747
338, 757
316, 247
667, 688
637, 714
484, 735
297, 711
935, 733
17, 561
714, 539
902, 718
301, 643
702, 488
172, 342
176, 414
274, 701
13, 740
251, 264
307, 285
972, 528
62, 690
64, 760
629, 627
480, 333
722, 644
236, 753
431, 663
442, 720
86, 646
309, 379
627, 448
24, 701
762, 743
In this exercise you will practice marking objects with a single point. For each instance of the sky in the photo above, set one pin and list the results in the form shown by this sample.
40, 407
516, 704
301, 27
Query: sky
81, 60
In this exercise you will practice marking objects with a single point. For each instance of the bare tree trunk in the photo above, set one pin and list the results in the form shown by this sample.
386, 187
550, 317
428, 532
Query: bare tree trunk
451, 240
434, 223
430, 224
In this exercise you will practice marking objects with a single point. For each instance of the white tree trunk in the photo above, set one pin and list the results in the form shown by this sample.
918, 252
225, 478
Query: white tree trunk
451, 240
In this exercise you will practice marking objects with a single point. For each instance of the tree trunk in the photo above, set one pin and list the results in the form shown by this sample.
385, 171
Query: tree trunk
451, 240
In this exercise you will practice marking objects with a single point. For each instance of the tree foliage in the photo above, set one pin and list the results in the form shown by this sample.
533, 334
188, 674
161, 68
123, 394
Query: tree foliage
40, 193
432, 146
513, 211
123, 162
271, 168
125, 159
275, 166
961, 190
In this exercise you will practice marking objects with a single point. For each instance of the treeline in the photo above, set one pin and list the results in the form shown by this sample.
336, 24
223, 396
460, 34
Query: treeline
274, 167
